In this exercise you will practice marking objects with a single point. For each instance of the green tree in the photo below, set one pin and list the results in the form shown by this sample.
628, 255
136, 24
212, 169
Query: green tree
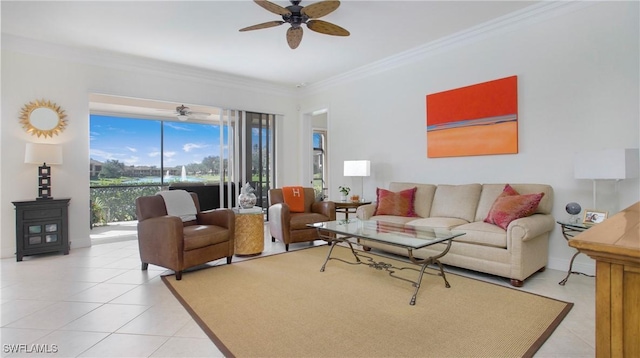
212, 163
111, 169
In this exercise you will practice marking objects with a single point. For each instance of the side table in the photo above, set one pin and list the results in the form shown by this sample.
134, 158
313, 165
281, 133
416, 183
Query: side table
570, 230
41, 227
249, 239
349, 207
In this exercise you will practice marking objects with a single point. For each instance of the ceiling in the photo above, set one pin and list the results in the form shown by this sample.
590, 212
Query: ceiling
204, 34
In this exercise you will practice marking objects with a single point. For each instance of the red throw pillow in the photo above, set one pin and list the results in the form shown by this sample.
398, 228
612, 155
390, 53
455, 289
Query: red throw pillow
395, 203
510, 206
509, 190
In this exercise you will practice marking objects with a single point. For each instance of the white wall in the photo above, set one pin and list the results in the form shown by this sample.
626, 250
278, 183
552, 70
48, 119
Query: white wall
27, 77
578, 82
578, 89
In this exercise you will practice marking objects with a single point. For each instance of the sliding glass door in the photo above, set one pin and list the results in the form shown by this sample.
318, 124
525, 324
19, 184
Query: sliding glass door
131, 157
259, 151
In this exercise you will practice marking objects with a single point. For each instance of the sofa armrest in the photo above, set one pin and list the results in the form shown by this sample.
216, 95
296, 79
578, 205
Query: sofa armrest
326, 208
219, 217
365, 212
530, 227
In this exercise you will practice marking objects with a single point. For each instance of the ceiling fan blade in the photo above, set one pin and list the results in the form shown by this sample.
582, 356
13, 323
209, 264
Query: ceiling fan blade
182, 110
264, 25
294, 36
274, 8
320, 9
326, 28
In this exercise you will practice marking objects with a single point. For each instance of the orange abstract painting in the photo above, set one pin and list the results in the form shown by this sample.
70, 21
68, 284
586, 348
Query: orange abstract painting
481, 119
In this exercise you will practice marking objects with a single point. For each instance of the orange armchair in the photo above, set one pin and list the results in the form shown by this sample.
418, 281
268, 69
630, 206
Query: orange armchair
168, 242
291, 227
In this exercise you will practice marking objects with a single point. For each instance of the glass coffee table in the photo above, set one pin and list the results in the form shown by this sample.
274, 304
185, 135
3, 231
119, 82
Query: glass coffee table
405, 236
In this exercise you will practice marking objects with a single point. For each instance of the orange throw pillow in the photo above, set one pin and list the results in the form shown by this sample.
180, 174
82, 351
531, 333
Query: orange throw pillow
294, 197
396, 203
509, 206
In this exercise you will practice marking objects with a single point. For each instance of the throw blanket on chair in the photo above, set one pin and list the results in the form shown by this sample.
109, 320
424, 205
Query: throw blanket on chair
294, 197
179, 203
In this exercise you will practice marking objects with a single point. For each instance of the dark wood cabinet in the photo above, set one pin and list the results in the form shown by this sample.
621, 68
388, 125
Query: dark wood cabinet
41, 227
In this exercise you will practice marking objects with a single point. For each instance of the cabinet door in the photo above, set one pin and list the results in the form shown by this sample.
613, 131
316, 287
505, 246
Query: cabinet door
42, 234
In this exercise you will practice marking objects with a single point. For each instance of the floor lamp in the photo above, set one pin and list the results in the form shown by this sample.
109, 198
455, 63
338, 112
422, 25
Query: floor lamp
358, 168
607, 164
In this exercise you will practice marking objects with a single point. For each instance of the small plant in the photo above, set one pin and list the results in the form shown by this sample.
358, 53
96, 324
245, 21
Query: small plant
344, 190
97, 212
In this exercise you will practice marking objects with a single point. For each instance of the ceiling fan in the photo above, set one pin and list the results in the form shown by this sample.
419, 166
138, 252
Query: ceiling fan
183, 113
297, 15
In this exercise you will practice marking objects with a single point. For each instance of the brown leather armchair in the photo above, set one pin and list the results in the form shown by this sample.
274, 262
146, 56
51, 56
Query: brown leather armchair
291, 227
168, 242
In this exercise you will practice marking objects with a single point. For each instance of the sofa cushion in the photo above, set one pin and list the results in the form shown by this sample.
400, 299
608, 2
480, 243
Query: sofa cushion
509, 206
423, 198
481, 233
198, 236
446, 223
456, 201
395, 203
393, 219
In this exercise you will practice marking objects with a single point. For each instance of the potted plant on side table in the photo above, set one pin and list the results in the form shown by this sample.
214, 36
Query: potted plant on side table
344, 192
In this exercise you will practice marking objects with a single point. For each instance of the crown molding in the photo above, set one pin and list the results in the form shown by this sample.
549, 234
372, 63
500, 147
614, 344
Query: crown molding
141, 65
528, 16
519, 19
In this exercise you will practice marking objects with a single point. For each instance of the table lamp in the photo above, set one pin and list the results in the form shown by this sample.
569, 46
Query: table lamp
358, 168
607, 164
45, 154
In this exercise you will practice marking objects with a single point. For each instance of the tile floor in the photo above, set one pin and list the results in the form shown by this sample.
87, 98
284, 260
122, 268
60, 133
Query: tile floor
96, 302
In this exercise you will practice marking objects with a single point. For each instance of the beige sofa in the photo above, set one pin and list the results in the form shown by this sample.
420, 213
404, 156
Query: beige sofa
515, 253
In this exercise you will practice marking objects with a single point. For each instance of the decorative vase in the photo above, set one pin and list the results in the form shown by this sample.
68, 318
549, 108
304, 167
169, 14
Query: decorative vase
343, 197
246, 199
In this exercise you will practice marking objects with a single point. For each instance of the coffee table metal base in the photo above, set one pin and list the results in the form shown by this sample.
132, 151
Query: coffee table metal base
381, 265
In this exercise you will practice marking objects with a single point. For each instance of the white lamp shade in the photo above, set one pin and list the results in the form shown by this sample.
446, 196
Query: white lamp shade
607, 164
37, 153
357, 168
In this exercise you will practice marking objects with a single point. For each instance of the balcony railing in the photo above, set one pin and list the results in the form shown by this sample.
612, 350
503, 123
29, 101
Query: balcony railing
117, 202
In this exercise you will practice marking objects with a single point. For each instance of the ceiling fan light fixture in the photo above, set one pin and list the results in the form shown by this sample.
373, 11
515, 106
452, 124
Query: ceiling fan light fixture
182, 117
297, 15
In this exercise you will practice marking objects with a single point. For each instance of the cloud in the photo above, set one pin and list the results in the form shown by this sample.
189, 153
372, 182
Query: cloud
101, 155
154, 154
132, 149
189, 146
133, 160
169, 154
177, 126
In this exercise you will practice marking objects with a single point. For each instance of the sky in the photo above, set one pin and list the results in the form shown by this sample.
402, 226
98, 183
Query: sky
137, 141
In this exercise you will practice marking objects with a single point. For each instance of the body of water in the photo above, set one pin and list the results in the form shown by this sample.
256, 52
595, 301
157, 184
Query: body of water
166, 179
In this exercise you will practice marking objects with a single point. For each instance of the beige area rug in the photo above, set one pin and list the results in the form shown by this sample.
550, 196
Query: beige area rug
283, 306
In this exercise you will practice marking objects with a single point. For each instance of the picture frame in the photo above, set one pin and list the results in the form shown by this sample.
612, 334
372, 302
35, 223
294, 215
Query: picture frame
592, 217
